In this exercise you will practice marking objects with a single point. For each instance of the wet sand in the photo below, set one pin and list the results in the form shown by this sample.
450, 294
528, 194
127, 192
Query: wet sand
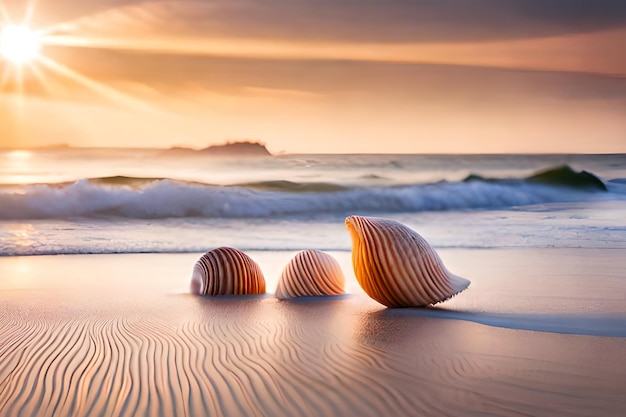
539, 332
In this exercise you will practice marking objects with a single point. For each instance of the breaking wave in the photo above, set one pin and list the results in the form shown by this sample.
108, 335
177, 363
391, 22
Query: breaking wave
153, 198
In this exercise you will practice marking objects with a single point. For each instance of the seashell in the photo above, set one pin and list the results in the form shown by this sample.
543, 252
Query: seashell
396, 266
226, 271
310, 273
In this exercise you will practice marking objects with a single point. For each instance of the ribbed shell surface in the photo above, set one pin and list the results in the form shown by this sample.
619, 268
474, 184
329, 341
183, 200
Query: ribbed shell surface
311, 273
227, 271
396, 266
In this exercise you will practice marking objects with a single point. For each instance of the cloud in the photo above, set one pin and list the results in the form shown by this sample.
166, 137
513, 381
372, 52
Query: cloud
584, 37
298, 79
351, 20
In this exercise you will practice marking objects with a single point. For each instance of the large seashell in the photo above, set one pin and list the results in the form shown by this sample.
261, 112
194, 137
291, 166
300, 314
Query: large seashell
310, 273
396, 266
227, 271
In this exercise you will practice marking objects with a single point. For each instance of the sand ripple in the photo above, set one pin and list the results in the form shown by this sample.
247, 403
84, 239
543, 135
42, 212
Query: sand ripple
259, 357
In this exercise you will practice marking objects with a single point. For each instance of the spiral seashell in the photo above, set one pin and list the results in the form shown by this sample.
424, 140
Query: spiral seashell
396, 266
310, 273
227, 271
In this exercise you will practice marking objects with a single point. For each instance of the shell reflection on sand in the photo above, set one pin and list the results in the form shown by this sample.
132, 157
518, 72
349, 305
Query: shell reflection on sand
227, 271
396, 266
311, 273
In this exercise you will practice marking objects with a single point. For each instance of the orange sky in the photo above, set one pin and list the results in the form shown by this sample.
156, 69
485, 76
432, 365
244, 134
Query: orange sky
325, 76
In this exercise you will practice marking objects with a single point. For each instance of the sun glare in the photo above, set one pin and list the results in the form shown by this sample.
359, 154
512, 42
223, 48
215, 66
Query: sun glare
19, 44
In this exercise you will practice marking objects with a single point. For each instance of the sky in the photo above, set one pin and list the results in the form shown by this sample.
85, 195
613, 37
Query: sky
321, 76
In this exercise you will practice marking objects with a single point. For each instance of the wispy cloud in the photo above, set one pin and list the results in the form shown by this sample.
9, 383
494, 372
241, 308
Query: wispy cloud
352, 20
444, 31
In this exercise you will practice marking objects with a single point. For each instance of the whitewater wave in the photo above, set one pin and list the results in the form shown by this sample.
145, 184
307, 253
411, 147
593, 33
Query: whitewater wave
165, 198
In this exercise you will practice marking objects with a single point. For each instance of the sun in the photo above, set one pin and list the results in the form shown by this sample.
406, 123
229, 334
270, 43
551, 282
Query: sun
19, 44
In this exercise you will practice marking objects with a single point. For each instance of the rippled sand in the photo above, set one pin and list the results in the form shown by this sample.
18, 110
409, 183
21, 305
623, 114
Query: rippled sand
539, 332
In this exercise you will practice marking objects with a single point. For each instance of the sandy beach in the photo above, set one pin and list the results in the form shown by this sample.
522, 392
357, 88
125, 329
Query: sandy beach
540, 332
466, 151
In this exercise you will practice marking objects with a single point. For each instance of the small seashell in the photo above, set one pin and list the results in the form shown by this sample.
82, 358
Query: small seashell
226, 271
396, 266
310, 273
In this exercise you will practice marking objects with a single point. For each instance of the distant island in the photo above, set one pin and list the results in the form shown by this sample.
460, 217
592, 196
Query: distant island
53, 146
238, 148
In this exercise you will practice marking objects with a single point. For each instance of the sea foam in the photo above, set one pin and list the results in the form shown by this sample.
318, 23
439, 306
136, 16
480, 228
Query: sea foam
165, 198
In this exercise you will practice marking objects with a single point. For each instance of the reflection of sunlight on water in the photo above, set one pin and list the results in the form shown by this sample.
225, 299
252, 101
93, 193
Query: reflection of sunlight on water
17, 165
22, 234
22, 167
18, 157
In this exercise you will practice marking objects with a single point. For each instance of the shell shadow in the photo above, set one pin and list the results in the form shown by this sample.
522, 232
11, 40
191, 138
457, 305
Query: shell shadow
230, 298
608, 325
229, 308
316, 299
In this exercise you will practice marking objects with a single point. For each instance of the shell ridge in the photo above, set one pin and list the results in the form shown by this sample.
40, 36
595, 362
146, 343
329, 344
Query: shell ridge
428, 278
212, 280
299, 278
440, 273
311, 275
292, 273
389, 257
246, 276
436, 280
420, 280
229, 286
240, 271
325, 284
322, 268
362, 262
431, 270
401, 278
371, 266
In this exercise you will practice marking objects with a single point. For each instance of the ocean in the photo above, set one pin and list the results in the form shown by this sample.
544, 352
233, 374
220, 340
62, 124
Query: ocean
98, 201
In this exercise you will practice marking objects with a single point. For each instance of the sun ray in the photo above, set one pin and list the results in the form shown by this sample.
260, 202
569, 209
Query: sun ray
99, 88
6, 76
19, 87
19, 78
30, 11
4, 14
41, 78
